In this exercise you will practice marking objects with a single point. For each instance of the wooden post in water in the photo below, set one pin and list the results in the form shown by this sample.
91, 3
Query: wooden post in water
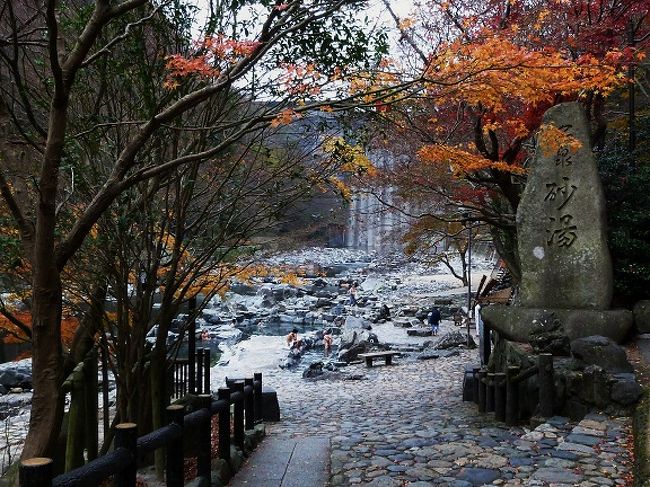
546, 384
203, 460
238, 386
36, 472
175, 415
512, 396
224, 425
500, 396
126, 436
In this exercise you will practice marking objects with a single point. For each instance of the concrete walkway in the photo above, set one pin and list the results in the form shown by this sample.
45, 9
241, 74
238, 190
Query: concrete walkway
286, 462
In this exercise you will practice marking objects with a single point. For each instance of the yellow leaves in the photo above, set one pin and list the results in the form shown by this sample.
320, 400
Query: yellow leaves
343, 189
351, 158
551, 139
285, 117
461, 161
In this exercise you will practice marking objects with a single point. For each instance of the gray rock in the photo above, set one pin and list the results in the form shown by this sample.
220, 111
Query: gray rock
16, 374
453, 339
516, 323
356, 323
601, 351
626, 392
561, 224
642, 316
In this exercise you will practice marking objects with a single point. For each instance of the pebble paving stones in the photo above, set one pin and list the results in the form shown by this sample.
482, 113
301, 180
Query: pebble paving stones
406, 425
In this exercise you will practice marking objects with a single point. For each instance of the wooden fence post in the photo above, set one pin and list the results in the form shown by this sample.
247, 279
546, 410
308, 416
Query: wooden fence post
203, 458
475, 375
489, 393
199, 371
259, 414
126, 436
36, 472
174, 468
238, 386
512, 396
249, 407
224, 425
206, 371
546, 384
500, 396
482, 374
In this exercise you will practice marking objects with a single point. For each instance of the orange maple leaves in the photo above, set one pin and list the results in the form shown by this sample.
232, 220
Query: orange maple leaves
209, 57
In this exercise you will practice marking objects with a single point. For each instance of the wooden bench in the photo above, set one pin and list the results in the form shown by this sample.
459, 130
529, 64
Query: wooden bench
387, 356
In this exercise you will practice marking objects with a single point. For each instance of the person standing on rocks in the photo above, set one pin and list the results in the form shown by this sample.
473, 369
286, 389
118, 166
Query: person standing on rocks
434, 320
353, 292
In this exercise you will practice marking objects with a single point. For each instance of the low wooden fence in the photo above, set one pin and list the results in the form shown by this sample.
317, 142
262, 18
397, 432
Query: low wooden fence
498, 392
121, 463
186, 379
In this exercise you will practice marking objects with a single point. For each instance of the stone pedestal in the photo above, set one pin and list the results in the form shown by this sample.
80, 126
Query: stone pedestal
516, 324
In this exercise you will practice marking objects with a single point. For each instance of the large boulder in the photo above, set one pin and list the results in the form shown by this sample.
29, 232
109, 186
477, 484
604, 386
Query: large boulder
453, 339
16, 374
356, 323
601, 351
516, 324
350, 338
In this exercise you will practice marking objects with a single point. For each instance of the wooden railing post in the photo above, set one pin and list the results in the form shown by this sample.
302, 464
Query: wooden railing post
259, 414
489, 393
487, 343
482, 374
224, 425
126, 436
249, 406
238, 386
203, 458
475, 375
206, 371
545, 381
500, 396
36, 472
175, 415
512, 396
199, 371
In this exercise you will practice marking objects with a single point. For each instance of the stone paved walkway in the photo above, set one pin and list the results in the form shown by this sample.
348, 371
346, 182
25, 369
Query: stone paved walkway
407, 425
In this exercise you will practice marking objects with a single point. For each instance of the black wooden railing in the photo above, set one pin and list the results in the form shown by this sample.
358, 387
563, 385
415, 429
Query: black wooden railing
122, 462
498, 392
191, 380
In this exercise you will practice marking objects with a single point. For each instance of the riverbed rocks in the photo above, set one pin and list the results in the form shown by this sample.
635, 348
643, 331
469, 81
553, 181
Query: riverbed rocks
16, 374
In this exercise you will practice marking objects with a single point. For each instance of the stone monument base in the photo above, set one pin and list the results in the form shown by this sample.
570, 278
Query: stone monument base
516, 324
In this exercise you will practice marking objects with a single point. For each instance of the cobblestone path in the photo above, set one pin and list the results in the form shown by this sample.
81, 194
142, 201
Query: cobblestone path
406, 425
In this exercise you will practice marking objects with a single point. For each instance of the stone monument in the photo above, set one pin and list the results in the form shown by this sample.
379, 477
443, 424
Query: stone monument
562, 243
